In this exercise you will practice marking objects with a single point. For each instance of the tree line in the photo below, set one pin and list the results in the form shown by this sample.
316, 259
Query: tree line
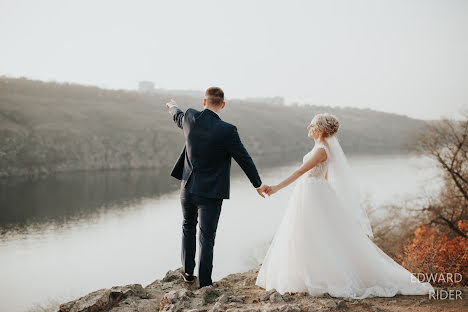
48, 127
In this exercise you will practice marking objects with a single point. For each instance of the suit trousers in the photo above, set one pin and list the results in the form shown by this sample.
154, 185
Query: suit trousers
205, 210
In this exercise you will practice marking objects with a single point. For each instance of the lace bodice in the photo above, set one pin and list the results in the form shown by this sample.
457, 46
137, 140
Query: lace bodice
320, 169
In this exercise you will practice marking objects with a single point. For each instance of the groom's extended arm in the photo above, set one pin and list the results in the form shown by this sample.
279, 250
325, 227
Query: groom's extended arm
241, 156
177, 116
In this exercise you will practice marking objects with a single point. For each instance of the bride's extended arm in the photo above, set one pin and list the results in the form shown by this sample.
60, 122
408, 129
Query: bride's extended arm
318, 156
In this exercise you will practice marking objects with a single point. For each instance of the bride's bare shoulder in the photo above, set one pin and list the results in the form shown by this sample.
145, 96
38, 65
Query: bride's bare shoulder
323, 146
321, 151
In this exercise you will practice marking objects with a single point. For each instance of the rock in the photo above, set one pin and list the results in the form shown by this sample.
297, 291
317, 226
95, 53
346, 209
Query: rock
208, 294
267, 294
312, 307
129, 290
176, 307
229, 294
341, 304
302, 294
174, 300
290, 308
218, 307
328, 303
287, 297
172, 276
270, 308
166, 286
175, 295
276, 297
250, 281
103, 299
149, 305
154, 293
184, 293
223, 299
248, 309
236, 299
234, 305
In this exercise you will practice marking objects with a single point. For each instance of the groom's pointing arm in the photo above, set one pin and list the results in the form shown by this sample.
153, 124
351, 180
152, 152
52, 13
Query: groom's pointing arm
241, 156
177, 116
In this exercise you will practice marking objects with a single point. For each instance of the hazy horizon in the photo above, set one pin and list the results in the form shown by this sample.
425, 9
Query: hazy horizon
400, 57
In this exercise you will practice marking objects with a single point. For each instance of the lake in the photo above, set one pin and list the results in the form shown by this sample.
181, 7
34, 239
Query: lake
62, 237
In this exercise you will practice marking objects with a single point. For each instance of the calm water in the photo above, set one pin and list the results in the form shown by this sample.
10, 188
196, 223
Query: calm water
63, 237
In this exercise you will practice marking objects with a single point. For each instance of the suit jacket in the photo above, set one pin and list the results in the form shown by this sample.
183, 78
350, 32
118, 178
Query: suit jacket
204, 166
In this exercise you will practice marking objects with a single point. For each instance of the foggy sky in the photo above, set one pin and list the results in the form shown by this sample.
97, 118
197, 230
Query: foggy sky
407, 57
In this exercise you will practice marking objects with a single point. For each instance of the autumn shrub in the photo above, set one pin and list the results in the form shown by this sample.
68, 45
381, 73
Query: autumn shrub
437, 258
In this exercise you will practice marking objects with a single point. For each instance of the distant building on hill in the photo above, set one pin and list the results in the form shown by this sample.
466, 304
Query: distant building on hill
146, 86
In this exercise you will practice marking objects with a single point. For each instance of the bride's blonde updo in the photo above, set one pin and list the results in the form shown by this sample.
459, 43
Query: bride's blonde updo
326, 124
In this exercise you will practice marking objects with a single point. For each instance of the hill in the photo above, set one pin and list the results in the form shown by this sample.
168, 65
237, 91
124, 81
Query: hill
48, 127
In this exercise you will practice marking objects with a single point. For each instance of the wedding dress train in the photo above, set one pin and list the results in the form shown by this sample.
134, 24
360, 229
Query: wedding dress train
318, 248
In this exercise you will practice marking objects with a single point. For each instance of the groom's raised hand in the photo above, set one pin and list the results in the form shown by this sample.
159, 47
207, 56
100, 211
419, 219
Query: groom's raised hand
170, 103
263, 189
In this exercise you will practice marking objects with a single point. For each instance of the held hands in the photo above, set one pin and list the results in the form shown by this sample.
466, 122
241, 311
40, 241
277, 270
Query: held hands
272, 190
171, 103
269, 190
263, 189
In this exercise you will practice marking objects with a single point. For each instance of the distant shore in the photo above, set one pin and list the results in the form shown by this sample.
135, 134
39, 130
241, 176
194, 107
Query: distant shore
47, 127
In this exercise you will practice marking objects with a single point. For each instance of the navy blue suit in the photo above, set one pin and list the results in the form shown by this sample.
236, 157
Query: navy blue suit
204, 168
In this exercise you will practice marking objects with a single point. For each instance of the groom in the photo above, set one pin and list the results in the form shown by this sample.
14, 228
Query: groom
204, 170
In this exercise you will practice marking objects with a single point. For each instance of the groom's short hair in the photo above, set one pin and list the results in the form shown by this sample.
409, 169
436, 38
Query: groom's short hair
214, 95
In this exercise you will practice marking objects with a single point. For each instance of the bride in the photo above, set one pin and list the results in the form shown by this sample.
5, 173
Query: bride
323, 244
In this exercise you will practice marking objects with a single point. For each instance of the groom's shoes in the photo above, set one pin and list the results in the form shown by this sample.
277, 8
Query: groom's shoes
188, 278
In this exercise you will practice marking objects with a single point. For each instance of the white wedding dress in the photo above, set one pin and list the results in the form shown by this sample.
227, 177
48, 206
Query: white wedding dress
318, 249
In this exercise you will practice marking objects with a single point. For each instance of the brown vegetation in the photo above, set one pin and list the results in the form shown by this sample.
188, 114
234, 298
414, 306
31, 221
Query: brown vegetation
433, 239
446, 141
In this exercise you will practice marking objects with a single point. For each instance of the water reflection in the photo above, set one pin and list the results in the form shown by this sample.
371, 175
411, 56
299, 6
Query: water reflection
69, 197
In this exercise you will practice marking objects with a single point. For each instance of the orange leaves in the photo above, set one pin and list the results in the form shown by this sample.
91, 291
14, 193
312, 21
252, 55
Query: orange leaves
463, 226
434, 253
